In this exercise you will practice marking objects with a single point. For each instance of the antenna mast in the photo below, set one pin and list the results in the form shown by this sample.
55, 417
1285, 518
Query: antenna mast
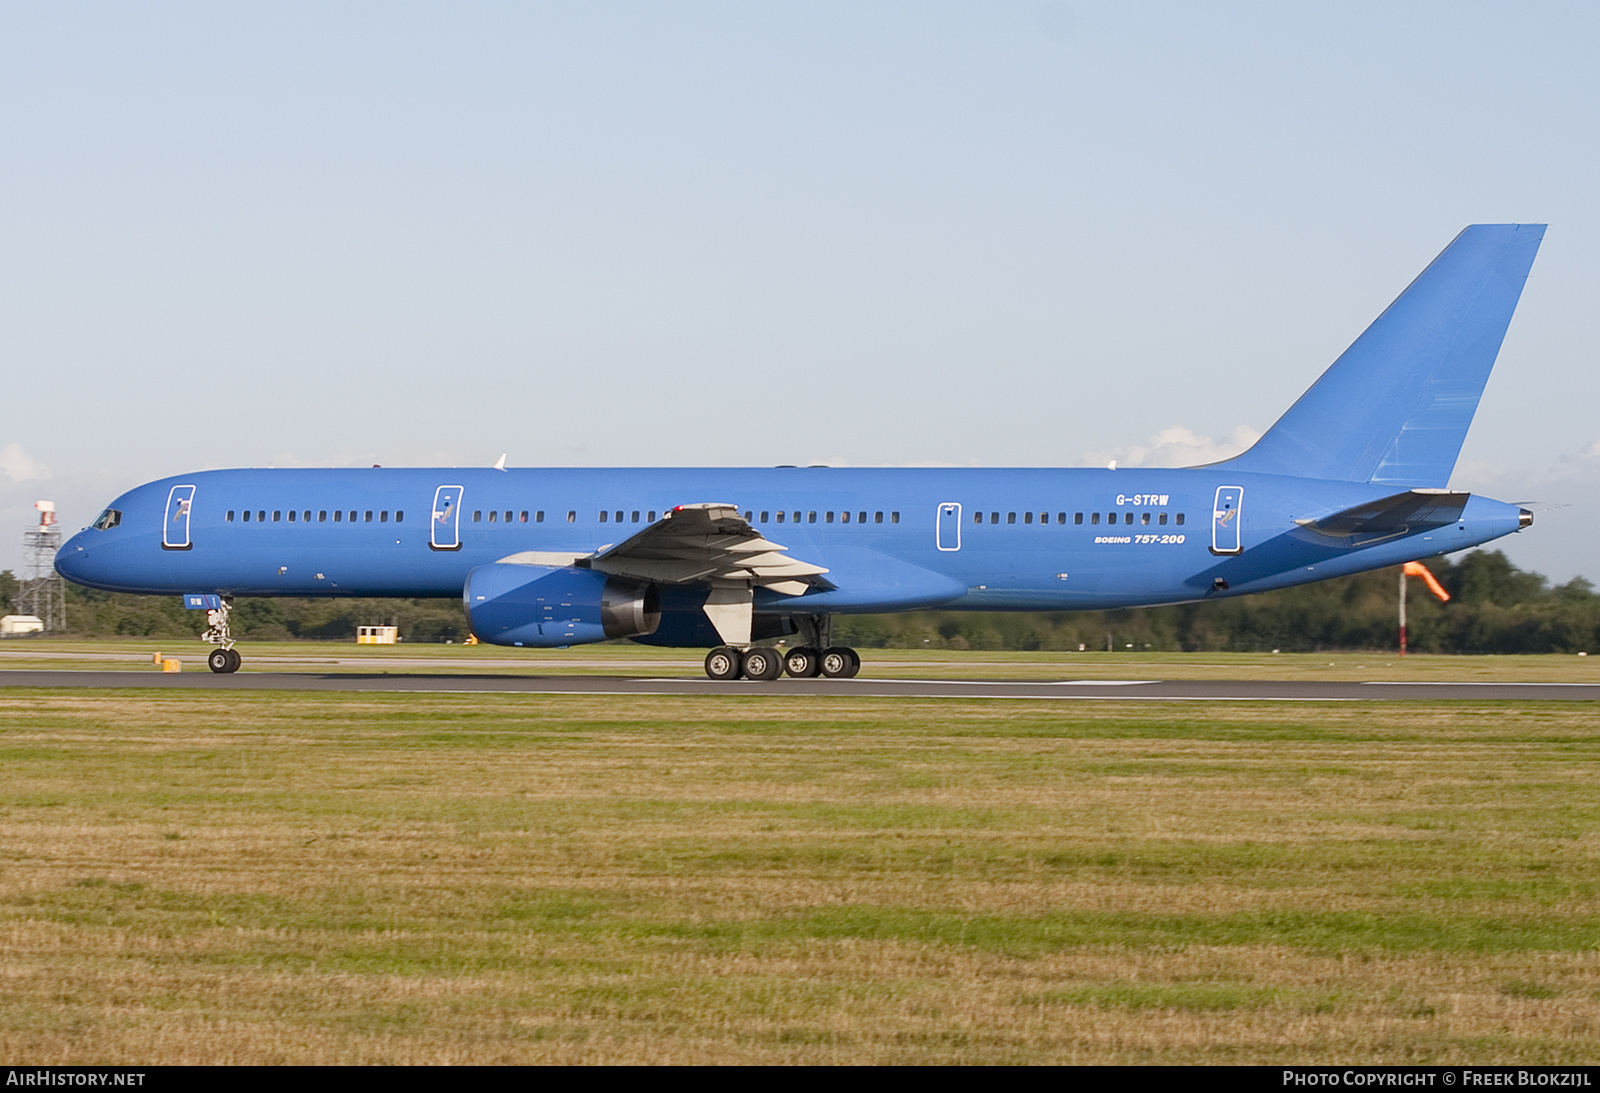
42, 592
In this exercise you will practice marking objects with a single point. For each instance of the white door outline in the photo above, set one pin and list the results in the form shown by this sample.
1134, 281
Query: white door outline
444, 525
947, 534
1226, 516
175, 525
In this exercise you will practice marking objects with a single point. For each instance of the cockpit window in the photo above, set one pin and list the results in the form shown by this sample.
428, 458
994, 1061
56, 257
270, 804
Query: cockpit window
107, 520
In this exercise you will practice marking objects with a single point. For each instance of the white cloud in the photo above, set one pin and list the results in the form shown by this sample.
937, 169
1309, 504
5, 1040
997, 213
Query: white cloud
19, 466
1177, 446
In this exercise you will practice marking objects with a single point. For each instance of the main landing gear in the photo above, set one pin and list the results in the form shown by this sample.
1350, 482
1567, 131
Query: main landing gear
815, 656
224, 659
763, 664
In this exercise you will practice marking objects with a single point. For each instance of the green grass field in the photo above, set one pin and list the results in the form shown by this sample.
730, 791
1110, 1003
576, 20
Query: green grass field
283, 878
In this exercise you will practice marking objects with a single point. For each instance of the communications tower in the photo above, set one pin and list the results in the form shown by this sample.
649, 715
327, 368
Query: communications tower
42, 592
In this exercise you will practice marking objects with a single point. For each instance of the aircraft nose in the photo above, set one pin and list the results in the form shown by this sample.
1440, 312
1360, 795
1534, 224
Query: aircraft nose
72, 559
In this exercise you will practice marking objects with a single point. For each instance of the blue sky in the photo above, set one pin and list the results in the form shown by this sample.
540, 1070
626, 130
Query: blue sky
996, 234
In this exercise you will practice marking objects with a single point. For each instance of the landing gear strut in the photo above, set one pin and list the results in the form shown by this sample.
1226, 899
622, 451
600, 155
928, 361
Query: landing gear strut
224, 659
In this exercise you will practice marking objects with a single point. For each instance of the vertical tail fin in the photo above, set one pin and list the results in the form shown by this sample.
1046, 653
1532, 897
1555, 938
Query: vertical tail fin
1395, 407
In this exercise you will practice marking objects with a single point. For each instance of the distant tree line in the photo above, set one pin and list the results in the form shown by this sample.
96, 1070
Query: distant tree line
1495, 608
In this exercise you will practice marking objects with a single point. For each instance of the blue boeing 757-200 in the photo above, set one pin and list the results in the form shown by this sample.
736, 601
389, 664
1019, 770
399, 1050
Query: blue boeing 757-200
1355, 476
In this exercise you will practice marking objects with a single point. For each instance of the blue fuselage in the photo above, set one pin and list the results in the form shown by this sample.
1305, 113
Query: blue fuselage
890, 539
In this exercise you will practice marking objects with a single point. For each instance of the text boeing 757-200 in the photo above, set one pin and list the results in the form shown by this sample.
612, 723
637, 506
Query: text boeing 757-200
1355, 476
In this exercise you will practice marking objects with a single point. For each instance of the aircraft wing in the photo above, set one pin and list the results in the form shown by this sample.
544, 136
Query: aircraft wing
1414, 510
692, 543
706, 542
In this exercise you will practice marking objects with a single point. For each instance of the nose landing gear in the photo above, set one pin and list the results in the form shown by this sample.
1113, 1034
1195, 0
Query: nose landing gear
225, 659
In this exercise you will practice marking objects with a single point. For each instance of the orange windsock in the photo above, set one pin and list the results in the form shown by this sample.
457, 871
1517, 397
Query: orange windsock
1417, 569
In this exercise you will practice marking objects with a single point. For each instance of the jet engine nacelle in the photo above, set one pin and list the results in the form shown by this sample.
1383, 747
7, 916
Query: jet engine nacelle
546, 606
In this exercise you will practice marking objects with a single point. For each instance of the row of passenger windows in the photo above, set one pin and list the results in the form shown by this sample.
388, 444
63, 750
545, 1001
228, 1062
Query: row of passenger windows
626, 516
623, 516
1077, 518
304, 516
522, 517
827, 517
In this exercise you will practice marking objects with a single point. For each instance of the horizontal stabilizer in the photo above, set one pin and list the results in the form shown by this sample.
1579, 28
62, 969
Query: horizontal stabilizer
1415, 510
1395, 407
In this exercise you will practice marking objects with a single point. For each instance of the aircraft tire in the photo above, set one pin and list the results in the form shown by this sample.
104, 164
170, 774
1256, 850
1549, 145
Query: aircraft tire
724, 663
840, 663
802, 663
219, 661
762, 665
234, 660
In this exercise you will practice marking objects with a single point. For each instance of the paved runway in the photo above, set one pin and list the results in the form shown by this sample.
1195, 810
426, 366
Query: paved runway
1049, 690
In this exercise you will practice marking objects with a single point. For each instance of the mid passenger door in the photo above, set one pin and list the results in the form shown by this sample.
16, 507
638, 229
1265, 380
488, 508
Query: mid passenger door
445, 527
175, 528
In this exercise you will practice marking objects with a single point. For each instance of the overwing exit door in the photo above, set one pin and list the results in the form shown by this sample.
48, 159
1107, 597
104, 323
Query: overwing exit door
949, 529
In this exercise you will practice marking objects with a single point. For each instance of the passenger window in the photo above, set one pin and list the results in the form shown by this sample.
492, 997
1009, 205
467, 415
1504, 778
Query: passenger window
1127, 518
276, 515
651, 516
977, 517
322, 516
1044, 518
1077, 517
305, 517
1144, 518
827, 518
1011, 517
399, 517
383, 517
572, 517
619, 516
1180, 519
861, 518
247, 516
812, 518
877, 518
261, 516
844, 518
230, 517
369, 516
602, 516
763, 517
1162, 519
894, 518
994, 518
538, 517
796, 518
338, 515
1094, 518
748, 515
492, 515
352, 516
477, 515
291, 516
522, 517
780, 517
1027, 518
